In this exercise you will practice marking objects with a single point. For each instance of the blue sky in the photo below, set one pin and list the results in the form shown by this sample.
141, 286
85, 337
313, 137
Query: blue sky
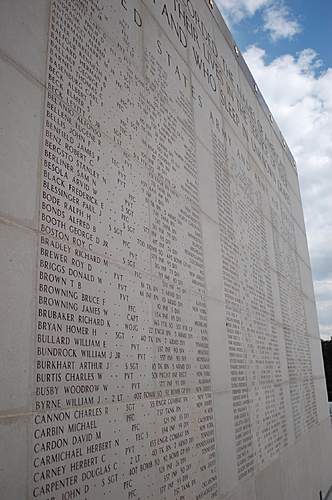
314, 19
287, 46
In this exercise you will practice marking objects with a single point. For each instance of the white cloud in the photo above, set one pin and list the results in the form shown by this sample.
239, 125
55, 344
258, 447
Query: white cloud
236, 10
277, 20
278, 23
300, 97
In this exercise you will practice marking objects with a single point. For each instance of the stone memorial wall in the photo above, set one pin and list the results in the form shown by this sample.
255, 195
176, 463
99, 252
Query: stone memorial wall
160, 333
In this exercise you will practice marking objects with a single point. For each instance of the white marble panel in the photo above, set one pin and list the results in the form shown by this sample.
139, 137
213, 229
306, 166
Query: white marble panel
18, 277
207, 182
225, 441
21, 101
301, 244
294, 472
325, 442
306, 280
321, 398
292, 176
276, 296
245, 490
297, 212
311, 317
14, 464
212, 258
316, 357
218, 345
268, 484
24, 34
289, 415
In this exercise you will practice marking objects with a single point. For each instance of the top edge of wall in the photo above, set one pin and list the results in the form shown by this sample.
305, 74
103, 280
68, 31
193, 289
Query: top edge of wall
215, 12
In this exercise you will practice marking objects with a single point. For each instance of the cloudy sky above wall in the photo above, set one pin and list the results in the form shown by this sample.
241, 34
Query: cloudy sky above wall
286, 45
